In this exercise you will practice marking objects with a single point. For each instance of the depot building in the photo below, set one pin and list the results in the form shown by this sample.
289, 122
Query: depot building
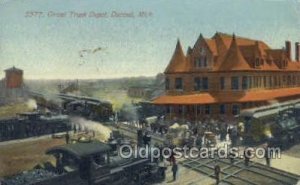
221, 75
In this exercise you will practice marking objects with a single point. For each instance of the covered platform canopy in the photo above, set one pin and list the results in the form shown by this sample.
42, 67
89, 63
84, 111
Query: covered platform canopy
81, 149
227, 97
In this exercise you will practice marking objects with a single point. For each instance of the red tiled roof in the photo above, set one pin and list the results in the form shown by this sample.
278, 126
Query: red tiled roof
228, 56
234, 59
212, 46
203, 98
241, 41
227, 97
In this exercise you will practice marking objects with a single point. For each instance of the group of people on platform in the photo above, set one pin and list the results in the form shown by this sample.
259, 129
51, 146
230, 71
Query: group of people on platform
223, 132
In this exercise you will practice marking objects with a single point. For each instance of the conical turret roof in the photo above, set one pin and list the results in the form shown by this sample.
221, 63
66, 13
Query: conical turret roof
234, 59
178, 62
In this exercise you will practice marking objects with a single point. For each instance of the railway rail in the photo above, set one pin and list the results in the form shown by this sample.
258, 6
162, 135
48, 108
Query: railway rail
237, 173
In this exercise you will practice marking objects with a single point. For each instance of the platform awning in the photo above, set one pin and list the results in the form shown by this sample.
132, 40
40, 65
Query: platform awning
227, 97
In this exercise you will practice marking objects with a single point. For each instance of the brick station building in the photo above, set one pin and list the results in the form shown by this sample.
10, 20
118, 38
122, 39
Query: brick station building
221, 75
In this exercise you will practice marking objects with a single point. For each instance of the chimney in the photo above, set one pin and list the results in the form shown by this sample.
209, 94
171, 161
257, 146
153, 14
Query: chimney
297, 51
288, 49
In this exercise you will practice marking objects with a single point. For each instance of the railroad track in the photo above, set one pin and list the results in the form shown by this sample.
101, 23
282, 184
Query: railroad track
238, 173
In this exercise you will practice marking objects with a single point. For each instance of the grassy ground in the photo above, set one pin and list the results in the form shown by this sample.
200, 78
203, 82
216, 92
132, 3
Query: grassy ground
17, 157
24, 155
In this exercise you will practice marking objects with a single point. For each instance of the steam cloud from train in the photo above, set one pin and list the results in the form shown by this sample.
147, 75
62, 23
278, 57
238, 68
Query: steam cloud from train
83, 124
31, 104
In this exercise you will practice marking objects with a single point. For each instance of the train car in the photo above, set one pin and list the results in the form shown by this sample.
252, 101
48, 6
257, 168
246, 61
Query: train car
276, 123
139, 111
92, 163
88, 107
99, 111
297, 113
29, 124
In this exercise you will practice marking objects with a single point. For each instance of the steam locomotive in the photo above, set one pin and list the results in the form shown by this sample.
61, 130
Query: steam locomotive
93, 163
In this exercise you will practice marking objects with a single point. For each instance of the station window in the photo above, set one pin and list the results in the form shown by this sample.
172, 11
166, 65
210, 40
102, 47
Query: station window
180, 109
234, 83
198, 63
235, 109
198, 109
207, 109
204, 61
168, 109
275, 81
289, 80
167, 83
178, 84
222, 83
197, 84
270, 82
245, 82
222, 109
294, 80
205, 83
201, 62
250, 82
259, 81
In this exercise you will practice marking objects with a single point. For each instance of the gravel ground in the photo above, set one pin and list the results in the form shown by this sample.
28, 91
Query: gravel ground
28, 177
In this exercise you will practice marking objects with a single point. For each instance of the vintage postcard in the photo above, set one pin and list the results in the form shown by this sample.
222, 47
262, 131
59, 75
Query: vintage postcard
140, 92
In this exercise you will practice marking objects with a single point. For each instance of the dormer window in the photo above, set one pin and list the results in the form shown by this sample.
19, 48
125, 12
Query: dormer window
201, 62
198, 63
257, 62
202, 51
204, 61
284, 63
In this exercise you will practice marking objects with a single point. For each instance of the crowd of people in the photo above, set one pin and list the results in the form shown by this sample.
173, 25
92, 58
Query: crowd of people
200, 133
198, 136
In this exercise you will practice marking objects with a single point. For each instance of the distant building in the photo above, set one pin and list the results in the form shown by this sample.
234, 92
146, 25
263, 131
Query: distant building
12, 86
13, 78
221, 75
70, 87
139, 92
148, 92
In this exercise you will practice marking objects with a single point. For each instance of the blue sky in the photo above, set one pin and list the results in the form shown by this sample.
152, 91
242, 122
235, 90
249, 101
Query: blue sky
48, 47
